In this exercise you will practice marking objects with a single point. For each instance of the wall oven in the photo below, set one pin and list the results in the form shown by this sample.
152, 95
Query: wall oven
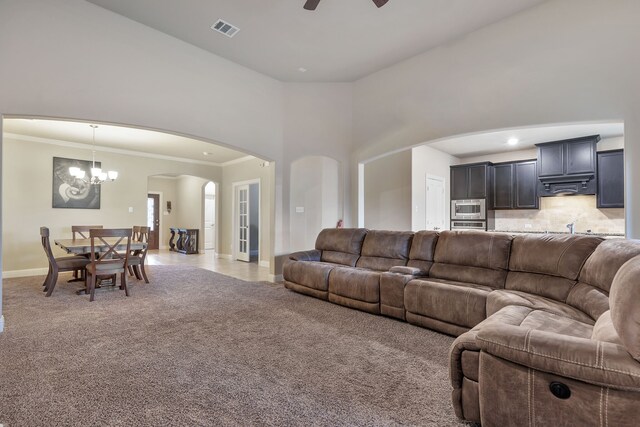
468, 225
468, 209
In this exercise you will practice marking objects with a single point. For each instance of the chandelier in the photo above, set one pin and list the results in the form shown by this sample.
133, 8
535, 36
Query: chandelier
97, 176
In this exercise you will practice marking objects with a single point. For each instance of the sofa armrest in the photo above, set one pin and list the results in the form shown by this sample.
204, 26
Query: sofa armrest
596, 362
312, 255
410, 271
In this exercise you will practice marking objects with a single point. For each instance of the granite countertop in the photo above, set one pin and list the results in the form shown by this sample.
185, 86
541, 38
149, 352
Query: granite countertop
559, 232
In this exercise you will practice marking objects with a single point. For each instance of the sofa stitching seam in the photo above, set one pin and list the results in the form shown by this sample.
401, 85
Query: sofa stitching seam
529, 394
606, 408
533, 396
600, 406
588, 365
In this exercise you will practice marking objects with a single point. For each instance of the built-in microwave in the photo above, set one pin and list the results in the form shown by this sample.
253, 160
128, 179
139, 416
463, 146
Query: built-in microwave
468, 209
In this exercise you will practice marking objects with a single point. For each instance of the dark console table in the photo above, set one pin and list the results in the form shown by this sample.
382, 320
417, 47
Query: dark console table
187, 242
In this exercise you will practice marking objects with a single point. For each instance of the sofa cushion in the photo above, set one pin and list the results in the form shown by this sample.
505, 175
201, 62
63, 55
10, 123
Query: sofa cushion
551, 322
382, 250
472, 256
423, 248
461, 304
625, 305
554, 287
589, 299
499, 299
603, 264
604, 330
310, 274
553, 254
540, 320
357, 284
341, 245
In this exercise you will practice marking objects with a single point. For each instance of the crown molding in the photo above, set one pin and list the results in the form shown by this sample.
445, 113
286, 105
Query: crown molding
99, 148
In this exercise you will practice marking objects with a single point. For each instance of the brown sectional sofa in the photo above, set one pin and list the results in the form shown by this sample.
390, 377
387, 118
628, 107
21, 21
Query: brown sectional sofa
547, 326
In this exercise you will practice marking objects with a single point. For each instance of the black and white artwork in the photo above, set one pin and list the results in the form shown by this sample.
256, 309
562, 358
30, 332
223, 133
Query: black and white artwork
71, 192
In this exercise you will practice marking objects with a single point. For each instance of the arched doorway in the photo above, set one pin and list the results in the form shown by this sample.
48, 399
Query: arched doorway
209, 216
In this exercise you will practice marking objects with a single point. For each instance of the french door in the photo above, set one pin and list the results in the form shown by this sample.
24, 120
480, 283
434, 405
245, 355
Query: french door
243, 237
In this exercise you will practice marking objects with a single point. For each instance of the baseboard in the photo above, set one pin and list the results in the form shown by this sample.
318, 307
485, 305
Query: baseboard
224, 256
276, 278
1, 323
25, 273
264, 264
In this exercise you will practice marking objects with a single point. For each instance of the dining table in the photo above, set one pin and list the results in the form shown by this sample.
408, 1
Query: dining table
83, 246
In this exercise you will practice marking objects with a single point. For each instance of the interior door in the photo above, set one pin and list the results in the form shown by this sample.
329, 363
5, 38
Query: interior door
153, 220
435, 209
209, 221
243, 238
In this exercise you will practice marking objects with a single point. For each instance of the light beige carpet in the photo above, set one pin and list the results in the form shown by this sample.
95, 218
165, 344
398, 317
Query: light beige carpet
198, 348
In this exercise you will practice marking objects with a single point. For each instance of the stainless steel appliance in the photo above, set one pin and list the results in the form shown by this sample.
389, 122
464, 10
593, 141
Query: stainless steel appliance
468, 209
468, 225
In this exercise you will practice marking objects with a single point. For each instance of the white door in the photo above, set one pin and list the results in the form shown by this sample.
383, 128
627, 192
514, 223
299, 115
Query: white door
435, 208
242, 223
209, 216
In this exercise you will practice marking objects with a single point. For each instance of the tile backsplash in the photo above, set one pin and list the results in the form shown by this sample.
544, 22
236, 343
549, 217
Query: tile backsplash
556, 212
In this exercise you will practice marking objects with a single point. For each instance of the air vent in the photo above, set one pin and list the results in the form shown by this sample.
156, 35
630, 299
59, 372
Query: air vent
225, 28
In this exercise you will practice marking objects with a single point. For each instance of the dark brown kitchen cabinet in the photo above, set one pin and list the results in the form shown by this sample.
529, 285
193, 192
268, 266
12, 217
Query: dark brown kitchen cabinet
469, 181
502, 186
526, 185
514, 185
610, 179
567, 166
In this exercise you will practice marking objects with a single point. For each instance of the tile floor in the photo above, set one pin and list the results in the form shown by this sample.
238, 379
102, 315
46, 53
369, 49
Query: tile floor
208, 260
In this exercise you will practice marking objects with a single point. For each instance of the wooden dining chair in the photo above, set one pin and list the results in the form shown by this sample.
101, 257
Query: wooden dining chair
56, 265
82, 231
137, 257
107, 260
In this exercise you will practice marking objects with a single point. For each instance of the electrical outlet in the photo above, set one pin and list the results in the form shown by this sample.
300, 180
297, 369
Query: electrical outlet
130, 209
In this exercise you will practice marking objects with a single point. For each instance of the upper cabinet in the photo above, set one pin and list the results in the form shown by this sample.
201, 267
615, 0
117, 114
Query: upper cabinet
568, 166
610, 179
469, 181
515, 185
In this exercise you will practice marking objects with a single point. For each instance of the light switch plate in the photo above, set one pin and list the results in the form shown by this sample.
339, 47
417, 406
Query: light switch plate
130, 209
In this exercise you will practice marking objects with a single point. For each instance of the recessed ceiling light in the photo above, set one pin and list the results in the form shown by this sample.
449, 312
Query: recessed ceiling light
302, 70
513, 141
206, 153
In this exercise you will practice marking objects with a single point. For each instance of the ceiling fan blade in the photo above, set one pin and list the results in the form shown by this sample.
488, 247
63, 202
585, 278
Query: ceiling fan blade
311, 4
380, 3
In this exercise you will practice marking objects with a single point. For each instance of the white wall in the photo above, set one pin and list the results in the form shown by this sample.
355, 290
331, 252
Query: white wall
549, 64
387, 192
28, 199
167, 186
318, 120
315, 191
190, 199
428, 161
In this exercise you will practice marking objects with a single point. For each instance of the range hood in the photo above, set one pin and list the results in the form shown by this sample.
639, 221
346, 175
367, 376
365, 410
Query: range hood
568, 166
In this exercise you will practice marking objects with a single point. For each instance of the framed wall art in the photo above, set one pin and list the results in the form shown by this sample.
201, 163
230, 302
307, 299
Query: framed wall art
70, 192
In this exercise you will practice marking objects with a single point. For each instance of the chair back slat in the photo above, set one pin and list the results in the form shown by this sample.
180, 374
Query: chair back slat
82, 231
110, 256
